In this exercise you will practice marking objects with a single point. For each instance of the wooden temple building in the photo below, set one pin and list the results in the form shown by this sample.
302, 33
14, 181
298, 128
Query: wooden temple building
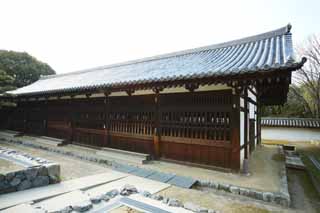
199, 106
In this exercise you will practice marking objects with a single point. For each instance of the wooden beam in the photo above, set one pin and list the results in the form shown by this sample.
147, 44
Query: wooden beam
246, 154
235, 132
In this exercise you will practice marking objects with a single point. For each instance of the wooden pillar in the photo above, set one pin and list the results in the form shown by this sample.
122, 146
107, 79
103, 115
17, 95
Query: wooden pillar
107, 137
246, 151
71, 120
46, 112
156, 134
235, 131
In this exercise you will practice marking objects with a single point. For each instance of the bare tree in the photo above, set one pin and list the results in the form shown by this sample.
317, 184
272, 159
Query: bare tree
307, 80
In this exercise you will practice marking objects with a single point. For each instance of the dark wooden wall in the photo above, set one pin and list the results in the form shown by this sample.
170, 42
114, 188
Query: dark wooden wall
193, 127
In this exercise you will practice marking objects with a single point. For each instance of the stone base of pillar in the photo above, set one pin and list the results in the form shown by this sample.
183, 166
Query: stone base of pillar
245, 168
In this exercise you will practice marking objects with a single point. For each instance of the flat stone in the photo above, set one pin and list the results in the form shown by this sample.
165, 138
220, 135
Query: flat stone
82, 206
157, 197
15, 181
268, 196
244, 191
145, 194
191, 206
31, 173
128, 190
26, 184
67, 209
96, 199
234, 190
224, 187
53, 169
10, 176
42, 171
112, 193
105, 198
165, 200
214, 185
40, 181
174, 202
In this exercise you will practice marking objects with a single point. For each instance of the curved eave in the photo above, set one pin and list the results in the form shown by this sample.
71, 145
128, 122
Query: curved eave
210, 78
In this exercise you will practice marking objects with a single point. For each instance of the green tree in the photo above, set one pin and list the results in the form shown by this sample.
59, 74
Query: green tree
6, 84
24, 68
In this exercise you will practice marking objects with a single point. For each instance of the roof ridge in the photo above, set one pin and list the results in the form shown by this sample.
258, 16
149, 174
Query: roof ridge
279, 31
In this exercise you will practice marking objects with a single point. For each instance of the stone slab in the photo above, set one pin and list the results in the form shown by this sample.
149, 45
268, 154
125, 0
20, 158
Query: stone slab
158, 204
41, 193
25, 208
124, 168
59, 202
142, 172
294, 162
140, 183
161, 177
184, 182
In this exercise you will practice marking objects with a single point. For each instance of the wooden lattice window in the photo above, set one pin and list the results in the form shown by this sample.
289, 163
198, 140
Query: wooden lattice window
204, 115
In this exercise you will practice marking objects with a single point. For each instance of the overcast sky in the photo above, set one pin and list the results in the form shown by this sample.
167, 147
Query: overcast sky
72, 35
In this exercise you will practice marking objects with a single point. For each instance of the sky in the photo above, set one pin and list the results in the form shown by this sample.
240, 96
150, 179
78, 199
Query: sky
73, 35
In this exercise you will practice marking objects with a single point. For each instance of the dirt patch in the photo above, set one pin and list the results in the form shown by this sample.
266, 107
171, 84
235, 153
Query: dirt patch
70, 167
264, 171
303, 194
224, 202
8, 166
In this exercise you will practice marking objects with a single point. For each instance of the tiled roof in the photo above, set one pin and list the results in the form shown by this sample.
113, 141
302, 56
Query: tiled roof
291, 122
265, 52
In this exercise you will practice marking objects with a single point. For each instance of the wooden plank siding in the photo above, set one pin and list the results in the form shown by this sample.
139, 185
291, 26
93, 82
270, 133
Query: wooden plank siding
196, 127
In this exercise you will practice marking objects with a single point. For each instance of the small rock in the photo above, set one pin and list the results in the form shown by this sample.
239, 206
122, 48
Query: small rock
10, 176
174, 202
96, 199
212, 211
31, 173
82, 207
244, 191
42, 171
191, 206
214, 185
26, 184
2, 177
234, 190
105, 198
15, 181
268, 197
67, 209
157, 197
40, 181
53, 169
225, 187
203, 210
113, 193
145, 194
165, 200
128, 190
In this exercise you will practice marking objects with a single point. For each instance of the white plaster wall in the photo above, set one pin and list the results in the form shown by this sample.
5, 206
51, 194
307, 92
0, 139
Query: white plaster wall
252, 111
290, 134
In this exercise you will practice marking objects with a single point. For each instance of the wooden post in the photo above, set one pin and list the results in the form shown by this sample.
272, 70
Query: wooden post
46, 105
156, 134
246, 154
107, 136
235, 131
71, 120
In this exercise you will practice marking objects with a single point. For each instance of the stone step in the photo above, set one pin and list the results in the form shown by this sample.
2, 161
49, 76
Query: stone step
141, 155
121, 157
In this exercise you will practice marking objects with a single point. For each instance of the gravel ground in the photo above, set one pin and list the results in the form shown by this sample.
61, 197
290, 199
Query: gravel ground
8, 166
224, 202
70, 167
263, 168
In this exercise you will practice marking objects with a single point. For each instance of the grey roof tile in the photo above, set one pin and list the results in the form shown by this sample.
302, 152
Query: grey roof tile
291, 122
252, 54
